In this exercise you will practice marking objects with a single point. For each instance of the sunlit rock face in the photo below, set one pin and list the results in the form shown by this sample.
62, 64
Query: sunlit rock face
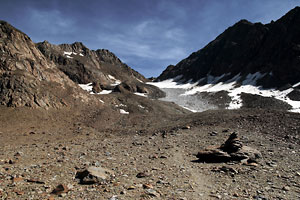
27, 78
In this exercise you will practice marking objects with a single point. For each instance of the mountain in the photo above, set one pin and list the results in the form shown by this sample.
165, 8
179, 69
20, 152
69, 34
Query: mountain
84, 66
249, 65
273, 50
27, 78
53, 76
101, 68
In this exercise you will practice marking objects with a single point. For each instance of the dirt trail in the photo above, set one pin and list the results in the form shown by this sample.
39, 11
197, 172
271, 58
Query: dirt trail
199, 183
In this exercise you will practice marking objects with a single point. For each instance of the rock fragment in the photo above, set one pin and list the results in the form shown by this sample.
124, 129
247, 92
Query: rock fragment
60, 189
93, 175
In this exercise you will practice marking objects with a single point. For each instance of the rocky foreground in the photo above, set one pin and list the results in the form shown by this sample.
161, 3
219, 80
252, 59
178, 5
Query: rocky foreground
70, 158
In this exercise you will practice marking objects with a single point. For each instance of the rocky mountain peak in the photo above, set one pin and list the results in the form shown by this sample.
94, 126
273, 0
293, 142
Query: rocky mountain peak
247, 48
107, 56
76, 47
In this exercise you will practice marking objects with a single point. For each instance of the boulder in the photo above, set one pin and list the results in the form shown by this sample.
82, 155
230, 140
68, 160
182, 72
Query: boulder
231, 150
93, 175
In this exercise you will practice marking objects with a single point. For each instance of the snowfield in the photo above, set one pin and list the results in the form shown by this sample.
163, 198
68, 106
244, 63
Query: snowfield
183, 94
89, 87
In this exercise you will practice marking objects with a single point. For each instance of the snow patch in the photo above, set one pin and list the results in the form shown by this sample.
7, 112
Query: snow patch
141, 94
121, 105
105, 92
116, 81
87, 87
172, 83
124, 112
140, 106
296, 85
68, 53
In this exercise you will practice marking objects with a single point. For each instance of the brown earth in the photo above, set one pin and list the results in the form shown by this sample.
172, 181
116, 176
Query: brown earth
42, 149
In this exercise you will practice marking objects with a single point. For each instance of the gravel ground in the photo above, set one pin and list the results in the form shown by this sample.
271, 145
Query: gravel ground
147, 163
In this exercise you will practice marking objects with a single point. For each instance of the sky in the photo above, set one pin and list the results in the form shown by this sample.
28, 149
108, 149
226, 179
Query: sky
148, 35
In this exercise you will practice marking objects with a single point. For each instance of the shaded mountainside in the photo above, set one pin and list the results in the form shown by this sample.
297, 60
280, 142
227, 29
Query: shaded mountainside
27, 78
247, 48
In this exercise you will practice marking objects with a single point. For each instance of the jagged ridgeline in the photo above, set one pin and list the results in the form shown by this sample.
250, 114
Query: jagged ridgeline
246, 48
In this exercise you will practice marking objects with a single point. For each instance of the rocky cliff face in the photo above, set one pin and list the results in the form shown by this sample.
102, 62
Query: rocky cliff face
246, 48
27, 78
84, 66
101, 68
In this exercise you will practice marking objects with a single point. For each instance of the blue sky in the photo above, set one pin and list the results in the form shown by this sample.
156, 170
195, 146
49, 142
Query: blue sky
148, 35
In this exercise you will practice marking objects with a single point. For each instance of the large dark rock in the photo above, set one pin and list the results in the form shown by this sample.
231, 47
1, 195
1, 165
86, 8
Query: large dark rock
272, 49
294, 95
232, 150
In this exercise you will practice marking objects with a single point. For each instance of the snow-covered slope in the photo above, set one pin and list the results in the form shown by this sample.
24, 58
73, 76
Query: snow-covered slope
188, 94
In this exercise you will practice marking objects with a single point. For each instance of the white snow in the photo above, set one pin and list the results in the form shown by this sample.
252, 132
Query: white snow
296, 85
173, 83
116, 81
249, 86
121, 105
124, 112
68, 53
87, 87
111, 77
140, 94
105, 92
140, 106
